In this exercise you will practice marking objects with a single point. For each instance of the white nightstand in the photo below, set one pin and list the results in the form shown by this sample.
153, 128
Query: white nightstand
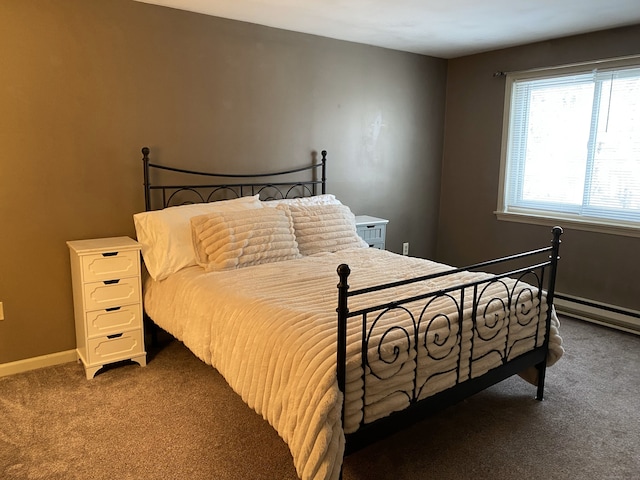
107, 301
372, 230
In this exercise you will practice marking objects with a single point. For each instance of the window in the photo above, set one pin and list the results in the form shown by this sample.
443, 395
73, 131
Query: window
571, 147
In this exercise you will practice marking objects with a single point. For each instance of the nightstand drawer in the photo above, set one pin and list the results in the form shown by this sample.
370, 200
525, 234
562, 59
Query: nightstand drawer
372, 230
112, 293
372, 233
379, 244
115, 320
110, 265
112, 348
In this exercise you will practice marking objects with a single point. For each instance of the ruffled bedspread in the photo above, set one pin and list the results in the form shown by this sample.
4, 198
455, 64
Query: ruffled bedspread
270, 330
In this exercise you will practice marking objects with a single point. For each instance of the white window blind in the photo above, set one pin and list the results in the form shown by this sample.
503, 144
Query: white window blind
573, 146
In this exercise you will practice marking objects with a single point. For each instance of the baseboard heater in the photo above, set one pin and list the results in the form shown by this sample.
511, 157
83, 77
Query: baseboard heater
601, 313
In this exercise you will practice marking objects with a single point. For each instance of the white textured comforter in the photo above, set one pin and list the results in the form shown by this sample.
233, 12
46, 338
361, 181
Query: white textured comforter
270, 330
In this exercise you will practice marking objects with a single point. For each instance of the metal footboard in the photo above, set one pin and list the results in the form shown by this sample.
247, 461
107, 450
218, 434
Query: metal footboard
448, 336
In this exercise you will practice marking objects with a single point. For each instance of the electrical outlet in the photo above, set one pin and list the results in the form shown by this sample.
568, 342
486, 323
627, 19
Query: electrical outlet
405, 248
1, 311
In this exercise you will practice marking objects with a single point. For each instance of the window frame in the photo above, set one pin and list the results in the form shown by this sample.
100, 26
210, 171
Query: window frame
547, 217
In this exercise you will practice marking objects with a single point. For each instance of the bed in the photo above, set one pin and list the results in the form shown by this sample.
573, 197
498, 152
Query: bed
335, 344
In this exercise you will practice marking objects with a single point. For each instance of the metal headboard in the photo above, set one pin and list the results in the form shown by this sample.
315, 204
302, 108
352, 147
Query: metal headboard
281, 184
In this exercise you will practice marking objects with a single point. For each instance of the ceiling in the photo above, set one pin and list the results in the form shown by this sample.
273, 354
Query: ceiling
439, 28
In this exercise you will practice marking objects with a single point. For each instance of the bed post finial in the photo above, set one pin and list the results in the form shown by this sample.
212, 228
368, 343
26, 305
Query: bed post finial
145, 162
343, 311
324, 173
557, 231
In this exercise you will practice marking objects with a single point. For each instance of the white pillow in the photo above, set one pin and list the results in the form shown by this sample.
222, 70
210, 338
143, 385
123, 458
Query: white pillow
324, 228
224, 241
324, 199
165, 235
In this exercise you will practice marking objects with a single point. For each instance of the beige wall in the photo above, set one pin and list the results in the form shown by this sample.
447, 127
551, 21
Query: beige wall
601, 267
85, 84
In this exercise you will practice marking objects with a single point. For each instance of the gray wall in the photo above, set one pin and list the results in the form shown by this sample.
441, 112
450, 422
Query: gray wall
85, 84
597, 266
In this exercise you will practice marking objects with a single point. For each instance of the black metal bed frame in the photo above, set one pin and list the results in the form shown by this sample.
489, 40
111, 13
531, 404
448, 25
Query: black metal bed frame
540, 274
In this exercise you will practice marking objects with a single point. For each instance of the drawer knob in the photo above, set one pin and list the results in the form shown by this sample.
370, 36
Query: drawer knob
110, 282
109, 254
112, 309
115, 335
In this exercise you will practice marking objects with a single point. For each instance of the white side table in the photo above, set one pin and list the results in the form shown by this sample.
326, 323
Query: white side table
107, 301
372, 230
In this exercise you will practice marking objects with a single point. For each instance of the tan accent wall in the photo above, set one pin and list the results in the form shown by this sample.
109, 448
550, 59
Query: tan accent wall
85, 84
596, 266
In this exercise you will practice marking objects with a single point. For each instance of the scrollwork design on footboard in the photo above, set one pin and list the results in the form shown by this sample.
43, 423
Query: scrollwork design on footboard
439, 339
529, 310
421, 346
490, 320
455, 315
405, 349
392, 345
524, 287
499, 304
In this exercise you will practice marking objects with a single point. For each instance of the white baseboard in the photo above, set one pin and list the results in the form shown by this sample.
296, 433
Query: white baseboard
37, 362
598, 312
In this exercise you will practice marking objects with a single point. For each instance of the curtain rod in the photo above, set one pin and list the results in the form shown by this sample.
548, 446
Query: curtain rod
501, 73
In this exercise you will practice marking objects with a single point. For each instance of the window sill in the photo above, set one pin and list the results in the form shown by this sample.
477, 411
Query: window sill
568, 222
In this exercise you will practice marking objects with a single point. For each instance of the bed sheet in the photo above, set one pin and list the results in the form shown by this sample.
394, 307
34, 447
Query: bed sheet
270, 330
